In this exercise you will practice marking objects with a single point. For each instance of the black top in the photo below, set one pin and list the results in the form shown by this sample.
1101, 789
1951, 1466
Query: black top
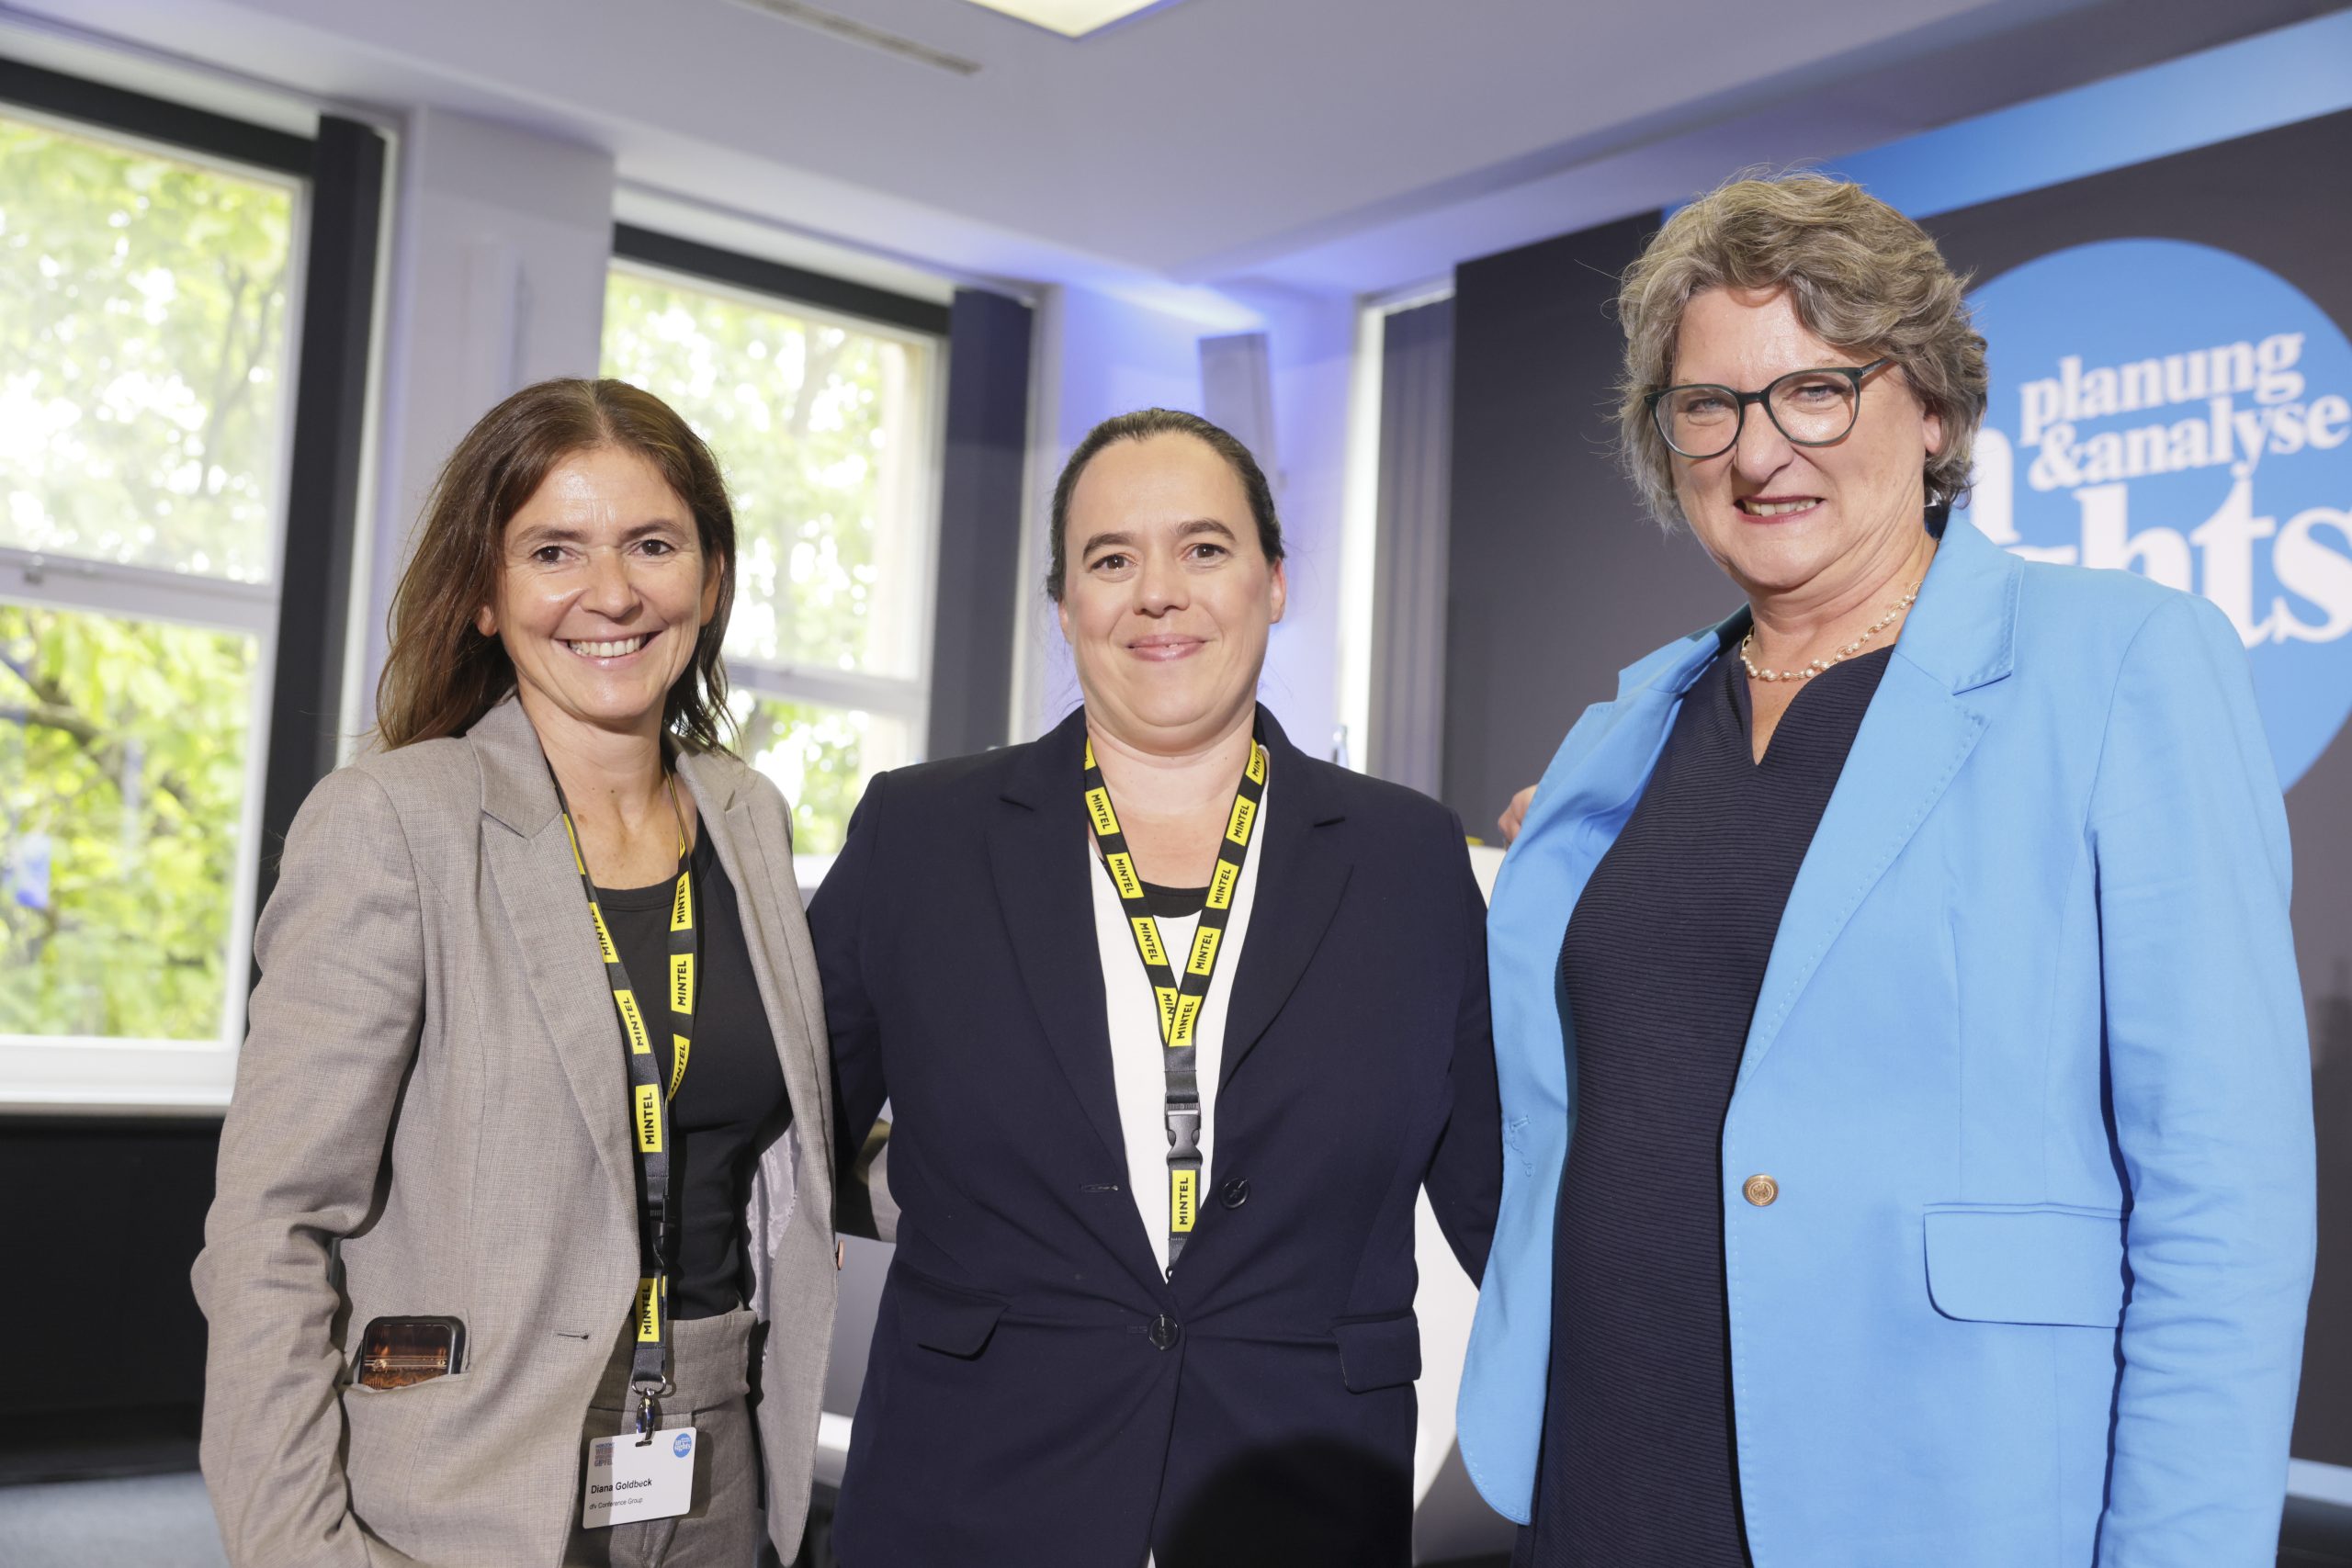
1659, 971
1174, 903
733, 1092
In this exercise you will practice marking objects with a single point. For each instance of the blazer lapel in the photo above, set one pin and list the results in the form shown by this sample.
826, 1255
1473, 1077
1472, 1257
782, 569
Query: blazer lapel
726, 813
538, 883
1912, 743
1593, 782
1299, 885
1037, 851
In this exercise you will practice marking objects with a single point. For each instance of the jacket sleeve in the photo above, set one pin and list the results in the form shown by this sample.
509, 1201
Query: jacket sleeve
837, 921
2210, 1070
331, 1029
1466, 1177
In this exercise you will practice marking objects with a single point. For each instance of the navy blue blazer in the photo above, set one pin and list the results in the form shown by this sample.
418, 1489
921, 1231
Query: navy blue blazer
1037, 1392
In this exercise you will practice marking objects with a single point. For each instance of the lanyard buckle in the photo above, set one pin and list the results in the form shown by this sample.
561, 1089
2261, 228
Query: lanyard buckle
1183, 1133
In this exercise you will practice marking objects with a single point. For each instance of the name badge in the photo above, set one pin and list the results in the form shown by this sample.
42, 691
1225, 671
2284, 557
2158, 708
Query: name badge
630, 1480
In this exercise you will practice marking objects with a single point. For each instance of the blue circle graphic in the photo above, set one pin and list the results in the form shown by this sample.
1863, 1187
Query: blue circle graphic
2177, 411
684, 1445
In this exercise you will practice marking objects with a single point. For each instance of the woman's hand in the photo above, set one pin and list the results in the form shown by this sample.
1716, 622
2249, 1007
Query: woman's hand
1515, 814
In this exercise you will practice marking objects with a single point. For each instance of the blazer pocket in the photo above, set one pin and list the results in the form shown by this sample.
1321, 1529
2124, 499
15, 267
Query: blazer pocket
2037, 1263
945, 1317
1378, 1352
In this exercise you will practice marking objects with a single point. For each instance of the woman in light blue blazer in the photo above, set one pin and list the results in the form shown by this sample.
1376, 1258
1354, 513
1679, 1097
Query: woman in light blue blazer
1905, 1090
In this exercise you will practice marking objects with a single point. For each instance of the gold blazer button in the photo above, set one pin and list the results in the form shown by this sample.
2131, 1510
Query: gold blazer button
1761, 1190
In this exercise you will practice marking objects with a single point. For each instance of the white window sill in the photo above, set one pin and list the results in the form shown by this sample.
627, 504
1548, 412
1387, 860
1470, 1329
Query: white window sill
81, 1074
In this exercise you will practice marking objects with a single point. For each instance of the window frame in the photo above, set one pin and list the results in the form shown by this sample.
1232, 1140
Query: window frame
111, 1074
816, 297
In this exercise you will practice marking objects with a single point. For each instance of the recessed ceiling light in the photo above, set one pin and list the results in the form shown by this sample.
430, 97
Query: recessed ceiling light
1072, 18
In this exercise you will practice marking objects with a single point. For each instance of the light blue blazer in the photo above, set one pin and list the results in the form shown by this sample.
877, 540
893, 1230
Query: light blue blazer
2029, 1068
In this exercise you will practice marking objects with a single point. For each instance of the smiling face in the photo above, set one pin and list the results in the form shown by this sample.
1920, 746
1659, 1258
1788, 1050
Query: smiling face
1806, 523
1170, 596
603, 589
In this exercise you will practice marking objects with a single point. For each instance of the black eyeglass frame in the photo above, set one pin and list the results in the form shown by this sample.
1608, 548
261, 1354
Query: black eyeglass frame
1741, 401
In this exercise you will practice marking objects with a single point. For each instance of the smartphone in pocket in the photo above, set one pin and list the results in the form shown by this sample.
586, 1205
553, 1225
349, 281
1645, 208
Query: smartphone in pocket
397, 1352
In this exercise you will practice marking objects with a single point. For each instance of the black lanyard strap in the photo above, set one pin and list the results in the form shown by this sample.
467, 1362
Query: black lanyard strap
649, 1099
1179, 999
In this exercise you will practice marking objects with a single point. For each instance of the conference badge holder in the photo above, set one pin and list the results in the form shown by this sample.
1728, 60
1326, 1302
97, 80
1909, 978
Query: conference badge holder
638, 1476
646, 1471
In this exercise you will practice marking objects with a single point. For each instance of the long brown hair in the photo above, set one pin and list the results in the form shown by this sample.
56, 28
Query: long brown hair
443, 674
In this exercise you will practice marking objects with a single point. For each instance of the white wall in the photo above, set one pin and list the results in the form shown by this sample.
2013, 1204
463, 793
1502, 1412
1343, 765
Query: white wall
1311, 345
1096, 356
1099, 355
501, 236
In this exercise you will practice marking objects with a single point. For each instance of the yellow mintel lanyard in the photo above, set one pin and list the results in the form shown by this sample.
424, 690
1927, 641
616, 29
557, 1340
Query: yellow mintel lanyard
650, 1104
1180, 1000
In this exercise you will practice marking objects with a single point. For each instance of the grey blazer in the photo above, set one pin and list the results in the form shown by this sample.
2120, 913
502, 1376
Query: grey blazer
431, 1117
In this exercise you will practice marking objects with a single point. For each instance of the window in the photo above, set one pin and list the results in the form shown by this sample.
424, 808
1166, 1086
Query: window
825, 425
145, 391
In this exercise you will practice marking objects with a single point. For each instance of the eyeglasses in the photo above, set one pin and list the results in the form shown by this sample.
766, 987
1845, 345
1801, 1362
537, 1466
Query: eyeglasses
1812, 407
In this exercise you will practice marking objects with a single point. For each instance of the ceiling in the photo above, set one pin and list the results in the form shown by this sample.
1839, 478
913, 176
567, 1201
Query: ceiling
1326, 146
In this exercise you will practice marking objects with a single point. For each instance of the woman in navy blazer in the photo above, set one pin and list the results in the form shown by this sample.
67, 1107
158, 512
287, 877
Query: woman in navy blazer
1077, 1360
2006, 1197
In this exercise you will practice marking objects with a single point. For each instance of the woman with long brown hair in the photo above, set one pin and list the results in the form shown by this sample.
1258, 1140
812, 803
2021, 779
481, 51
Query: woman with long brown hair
513, 1173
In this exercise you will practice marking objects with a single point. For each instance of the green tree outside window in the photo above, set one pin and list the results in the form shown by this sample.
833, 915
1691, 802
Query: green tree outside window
142, 365
803, 414
122, 776
142, 325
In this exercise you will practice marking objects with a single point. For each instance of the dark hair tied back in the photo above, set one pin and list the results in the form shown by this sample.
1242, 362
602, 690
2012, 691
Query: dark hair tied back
1142, 425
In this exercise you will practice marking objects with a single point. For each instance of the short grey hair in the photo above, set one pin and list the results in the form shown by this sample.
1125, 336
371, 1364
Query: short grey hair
1860, 274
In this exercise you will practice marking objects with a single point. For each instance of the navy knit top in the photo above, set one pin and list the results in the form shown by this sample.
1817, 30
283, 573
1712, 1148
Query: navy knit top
1660, 971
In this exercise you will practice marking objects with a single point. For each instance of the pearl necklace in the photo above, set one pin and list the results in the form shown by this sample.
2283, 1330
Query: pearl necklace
1818, 665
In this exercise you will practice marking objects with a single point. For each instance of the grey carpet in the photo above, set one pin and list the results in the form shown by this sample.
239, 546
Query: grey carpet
140, 1521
